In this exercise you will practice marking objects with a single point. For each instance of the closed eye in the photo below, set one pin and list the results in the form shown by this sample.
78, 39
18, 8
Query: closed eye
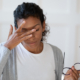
24, 29
37, 30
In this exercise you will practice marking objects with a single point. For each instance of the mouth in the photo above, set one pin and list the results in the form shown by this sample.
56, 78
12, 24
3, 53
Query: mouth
32, 43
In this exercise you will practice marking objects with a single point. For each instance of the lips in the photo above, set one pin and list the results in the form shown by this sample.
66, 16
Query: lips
32, 43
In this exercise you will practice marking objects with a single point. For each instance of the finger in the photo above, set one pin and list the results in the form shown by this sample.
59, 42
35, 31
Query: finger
69, 77
11, 31
79, 71
26, 37
28, 33
20, 27
68, 72
75, 71
73, 74
72, 77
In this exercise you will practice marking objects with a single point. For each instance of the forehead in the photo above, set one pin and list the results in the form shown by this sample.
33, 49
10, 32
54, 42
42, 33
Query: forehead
29, 22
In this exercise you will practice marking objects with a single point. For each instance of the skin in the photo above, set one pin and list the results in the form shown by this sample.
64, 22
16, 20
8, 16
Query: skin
29, 31
22, 35
33, 23
74, 74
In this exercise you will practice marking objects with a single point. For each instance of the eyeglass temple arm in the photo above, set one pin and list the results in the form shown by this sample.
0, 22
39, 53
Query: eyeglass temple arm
63, 59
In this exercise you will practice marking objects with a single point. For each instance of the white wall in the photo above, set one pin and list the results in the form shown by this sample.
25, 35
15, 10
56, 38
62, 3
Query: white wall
63, 17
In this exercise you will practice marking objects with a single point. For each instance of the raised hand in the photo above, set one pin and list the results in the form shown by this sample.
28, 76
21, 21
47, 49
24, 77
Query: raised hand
18, 36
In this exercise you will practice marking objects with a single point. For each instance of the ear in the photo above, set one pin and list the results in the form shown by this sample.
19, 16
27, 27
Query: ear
43, 26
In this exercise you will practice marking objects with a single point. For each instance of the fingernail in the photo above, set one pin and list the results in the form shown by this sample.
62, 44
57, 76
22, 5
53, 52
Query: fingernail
30, 35
23, 21
33, 29
72, 67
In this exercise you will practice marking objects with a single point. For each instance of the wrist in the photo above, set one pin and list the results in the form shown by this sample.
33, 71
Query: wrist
8, 46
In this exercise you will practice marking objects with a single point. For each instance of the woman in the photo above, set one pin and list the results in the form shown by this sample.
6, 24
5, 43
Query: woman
24, 56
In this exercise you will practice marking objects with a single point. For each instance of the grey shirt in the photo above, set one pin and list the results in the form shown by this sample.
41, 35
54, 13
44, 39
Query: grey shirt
8, 68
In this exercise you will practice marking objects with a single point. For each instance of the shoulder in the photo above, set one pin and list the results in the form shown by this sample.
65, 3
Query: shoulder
55, 47
57, 51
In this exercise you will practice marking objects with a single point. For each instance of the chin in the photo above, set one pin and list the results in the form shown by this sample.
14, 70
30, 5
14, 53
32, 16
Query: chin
34, 45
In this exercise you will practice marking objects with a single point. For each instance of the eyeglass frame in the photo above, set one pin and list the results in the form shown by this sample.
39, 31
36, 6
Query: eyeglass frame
67, 67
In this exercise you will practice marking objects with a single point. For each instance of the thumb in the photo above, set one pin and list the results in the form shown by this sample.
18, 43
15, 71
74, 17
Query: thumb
11, 31
68, 72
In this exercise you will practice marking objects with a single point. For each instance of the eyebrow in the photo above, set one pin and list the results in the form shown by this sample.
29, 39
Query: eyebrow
33, 26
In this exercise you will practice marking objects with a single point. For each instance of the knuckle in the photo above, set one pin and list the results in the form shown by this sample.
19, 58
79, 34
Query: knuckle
24, 34
29, 32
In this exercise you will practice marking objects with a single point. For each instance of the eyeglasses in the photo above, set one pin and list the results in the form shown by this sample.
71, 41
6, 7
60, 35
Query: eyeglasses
65, 69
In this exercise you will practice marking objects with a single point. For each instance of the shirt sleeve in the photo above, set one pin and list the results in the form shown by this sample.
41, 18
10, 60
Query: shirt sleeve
4, 54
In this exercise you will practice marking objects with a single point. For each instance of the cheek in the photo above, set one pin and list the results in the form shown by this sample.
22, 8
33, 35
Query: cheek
38, 34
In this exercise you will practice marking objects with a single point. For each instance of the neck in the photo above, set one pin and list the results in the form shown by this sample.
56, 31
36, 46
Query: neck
35, 50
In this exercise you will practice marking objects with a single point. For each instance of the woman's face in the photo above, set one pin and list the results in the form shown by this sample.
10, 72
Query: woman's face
33, 23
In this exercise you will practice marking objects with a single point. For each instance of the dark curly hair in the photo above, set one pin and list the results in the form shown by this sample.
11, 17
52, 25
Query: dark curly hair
26, 10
